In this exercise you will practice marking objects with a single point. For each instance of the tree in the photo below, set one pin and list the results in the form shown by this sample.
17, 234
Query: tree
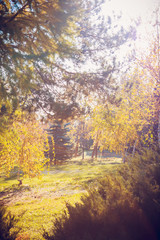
23, 146
63, 94
129, 124
60, 142
80, 137
38, 75
151, 65
35, 74
26, 27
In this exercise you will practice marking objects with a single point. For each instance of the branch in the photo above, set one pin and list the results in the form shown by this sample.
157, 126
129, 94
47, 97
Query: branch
16, 14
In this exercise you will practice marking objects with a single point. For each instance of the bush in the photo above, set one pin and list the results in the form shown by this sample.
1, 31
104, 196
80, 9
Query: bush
125, 206
142, 178
108, 212
7, 222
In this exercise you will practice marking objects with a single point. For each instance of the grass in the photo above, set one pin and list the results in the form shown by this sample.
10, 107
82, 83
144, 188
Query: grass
39, 201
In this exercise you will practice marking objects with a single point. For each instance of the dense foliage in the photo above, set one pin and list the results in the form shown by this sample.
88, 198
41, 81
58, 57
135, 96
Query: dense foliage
123, 206
142, 178
23, 146
7, 221
33, 23
60, 148
44, 46
58, 38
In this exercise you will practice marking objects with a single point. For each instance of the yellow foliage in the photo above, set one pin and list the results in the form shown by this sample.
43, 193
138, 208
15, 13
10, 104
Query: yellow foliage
23, 146
120, 126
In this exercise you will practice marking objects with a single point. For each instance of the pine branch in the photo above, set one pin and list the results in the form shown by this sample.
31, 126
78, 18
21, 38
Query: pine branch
17, 13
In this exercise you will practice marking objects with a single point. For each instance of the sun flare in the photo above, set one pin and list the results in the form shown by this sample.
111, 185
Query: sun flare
131, 8
135, 11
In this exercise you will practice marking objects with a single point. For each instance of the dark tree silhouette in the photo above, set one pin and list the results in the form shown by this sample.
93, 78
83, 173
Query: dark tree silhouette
62, 146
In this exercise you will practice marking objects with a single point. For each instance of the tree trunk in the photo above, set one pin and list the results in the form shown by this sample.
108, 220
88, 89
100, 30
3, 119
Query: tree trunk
55, 162
83, 141
159, 129
96, 150
134, 148
124, 155
19, 180
83, 152
93, 153
76, 149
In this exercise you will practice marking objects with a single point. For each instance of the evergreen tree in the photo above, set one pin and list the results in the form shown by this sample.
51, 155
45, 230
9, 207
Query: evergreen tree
58, 137
37, 37
32, 34
80, 138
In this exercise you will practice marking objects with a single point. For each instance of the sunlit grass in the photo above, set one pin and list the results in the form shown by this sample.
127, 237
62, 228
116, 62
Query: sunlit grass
39, 214
40, 200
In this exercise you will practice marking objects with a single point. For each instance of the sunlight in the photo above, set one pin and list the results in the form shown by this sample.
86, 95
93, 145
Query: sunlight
79, 119
134, 11
130, 11
130, 8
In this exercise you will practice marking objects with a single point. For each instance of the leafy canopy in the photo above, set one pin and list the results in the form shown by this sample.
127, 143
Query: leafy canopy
131, 121
32, 34
23, 146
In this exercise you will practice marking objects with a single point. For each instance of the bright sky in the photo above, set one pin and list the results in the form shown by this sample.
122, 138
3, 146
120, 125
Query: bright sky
131, 10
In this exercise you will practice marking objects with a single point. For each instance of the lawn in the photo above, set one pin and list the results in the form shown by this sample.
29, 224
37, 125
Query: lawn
39, 200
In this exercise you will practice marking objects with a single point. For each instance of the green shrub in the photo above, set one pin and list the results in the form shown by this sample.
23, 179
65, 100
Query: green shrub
125, 206
109, 211
7, 222
142, 177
